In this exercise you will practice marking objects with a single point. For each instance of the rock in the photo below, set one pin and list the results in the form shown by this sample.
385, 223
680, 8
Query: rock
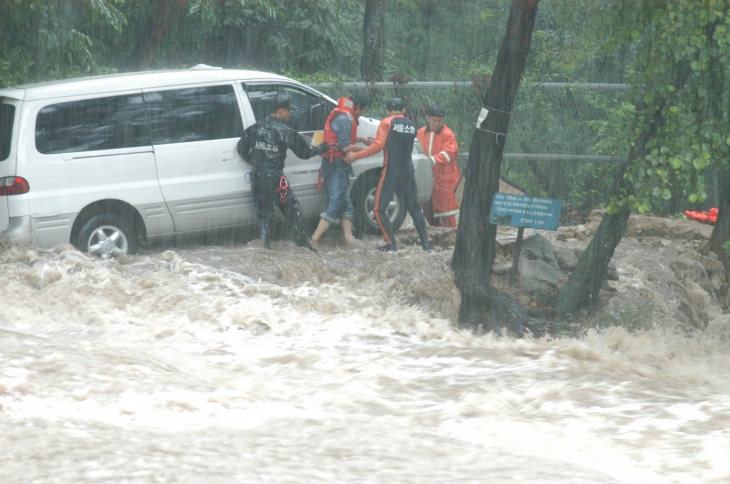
566, 259
665, 242
539, 269
710, 265
690, 270
581, 229
666, 228
612, 272
538, 279
712, 255
580, 236
565, 233
717, 281
538, 247
502, 267
632, 309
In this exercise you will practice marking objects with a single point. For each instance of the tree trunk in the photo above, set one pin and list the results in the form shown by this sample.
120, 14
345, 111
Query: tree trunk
475, 238
373, 40
721, 232
587, 278
151, 37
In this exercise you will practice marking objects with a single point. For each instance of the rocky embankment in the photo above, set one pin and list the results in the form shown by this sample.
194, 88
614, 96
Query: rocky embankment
662, 272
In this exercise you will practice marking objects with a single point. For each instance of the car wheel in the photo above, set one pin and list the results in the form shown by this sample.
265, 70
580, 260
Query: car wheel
106, 236
364, 201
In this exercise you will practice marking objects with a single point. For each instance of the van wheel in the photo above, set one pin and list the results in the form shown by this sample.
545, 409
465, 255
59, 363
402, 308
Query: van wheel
363, 198
106, 236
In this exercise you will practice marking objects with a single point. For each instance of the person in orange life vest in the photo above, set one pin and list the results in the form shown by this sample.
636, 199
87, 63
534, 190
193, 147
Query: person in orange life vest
439, 144
340, 133
395, 138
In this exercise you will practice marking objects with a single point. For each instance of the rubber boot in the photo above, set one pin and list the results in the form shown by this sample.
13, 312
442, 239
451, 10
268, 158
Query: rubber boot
266, 233
321, 229
347, 229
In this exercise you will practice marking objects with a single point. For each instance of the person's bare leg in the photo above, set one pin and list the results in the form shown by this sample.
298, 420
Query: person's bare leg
321, 229
347, 229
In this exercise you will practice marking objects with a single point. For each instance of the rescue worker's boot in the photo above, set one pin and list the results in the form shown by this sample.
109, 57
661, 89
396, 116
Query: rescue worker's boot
388, 248
266, 232
321, 229
300, 235
420, 223
347, 229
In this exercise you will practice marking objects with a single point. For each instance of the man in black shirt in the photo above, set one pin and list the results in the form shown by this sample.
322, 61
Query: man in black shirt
264, 145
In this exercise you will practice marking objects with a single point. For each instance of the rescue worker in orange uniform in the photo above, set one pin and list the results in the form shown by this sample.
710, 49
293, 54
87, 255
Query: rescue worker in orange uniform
395, 137
340, 133
439, 144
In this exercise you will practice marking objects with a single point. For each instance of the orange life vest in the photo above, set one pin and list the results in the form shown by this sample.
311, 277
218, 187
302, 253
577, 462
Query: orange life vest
344, 106
706, 217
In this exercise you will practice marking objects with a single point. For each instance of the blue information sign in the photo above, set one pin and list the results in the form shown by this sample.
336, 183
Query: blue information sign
525, 211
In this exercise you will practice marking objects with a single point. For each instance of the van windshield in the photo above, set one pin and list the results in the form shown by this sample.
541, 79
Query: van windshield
7, 116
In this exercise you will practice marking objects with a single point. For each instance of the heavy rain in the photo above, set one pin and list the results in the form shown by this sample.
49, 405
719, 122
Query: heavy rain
462, 241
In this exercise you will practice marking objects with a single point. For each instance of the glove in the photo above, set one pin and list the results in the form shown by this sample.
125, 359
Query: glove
322, 148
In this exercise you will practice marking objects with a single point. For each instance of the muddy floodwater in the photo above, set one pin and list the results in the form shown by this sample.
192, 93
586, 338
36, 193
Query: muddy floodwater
222, 362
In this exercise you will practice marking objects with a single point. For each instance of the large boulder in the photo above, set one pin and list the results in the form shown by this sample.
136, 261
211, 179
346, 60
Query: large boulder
539, 270
538, 247
539, 280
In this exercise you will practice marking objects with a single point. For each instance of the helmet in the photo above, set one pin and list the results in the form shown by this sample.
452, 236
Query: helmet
395, 104
437, 111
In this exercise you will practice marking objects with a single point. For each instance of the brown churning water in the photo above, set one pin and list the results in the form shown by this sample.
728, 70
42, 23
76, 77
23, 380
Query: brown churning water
237, 364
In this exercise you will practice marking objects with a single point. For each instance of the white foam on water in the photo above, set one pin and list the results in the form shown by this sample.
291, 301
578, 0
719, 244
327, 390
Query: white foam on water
161, 370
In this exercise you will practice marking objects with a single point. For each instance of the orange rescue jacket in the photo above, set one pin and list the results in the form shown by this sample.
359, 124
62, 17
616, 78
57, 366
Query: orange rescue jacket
443, 151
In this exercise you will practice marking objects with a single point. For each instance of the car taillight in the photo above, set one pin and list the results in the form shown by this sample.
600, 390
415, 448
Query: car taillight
13, 185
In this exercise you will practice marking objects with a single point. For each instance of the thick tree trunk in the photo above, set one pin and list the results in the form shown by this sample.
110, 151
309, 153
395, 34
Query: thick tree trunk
475, 239
151, 37
721, 232
373, 39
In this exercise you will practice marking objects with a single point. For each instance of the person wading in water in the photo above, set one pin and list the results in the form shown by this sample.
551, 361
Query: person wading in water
395, 138
340, 133
264, 145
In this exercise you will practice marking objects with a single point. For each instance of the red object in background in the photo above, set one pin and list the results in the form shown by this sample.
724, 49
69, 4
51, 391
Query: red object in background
709, 217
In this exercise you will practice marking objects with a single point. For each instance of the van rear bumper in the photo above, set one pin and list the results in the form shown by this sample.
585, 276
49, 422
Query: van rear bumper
19, 231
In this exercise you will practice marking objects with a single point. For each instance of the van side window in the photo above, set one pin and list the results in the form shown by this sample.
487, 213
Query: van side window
7, 115
92, 124
308, 112
196, 114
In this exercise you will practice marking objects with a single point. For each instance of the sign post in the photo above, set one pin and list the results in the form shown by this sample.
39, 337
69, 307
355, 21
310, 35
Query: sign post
524, 211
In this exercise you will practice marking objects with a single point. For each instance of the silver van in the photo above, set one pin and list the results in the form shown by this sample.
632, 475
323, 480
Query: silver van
109, 162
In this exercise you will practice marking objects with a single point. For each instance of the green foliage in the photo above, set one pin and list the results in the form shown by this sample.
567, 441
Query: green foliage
45, 39
683, 48
443, 40
674, 53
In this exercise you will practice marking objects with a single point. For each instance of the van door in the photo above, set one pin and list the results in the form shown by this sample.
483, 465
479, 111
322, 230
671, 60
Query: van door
194, 133
309, 112
7, 165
